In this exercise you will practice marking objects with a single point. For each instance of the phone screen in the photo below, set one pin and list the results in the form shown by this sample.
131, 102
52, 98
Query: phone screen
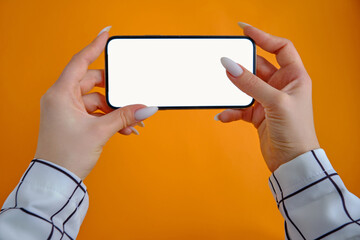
176, 72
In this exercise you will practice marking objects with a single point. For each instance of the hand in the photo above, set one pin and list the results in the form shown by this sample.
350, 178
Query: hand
71, 134
282, 112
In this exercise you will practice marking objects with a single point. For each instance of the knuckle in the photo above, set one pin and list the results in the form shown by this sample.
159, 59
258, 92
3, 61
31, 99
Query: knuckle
79, 57
48, 97
51, 98
75, 56
86, 53
289, 43
300, 74
124, 117
42, 100
305, 80
285, 41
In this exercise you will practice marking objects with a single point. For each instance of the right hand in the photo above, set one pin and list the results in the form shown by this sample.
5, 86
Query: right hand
282, 112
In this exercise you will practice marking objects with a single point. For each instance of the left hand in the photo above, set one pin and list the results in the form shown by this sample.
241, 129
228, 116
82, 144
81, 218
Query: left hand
71, 134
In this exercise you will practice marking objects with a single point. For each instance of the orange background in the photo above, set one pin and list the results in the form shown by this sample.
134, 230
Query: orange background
186, 176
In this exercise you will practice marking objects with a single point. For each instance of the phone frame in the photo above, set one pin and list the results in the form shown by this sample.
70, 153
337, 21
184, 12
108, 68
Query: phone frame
176, 37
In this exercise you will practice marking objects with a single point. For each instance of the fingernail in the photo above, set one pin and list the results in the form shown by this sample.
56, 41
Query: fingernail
141, 124
232, 67
242, 24
144, 113
217, 117
134, 131
107, 29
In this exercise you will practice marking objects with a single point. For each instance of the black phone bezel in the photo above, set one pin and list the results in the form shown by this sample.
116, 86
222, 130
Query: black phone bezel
178, 36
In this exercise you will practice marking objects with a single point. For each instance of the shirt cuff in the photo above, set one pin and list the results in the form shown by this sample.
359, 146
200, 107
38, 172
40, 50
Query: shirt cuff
53, 195
301, 172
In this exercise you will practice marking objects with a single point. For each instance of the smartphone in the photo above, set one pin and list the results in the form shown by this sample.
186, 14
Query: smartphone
176, 72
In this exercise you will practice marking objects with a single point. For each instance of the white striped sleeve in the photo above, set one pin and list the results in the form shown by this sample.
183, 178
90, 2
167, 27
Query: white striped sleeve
313, 199
49, 202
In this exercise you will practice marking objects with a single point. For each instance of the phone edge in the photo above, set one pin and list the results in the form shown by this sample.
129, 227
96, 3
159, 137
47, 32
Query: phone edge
177, 36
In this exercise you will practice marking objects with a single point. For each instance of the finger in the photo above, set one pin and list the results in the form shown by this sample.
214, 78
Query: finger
264, 69
250, 84
80, 62
258, 114
94, 101
231, 115
92, 78
125, 117
134, 131
283, 48
126, 131
131, 129
97, 114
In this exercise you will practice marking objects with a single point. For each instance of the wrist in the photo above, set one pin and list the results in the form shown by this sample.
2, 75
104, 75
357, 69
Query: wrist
76, 166
288, 155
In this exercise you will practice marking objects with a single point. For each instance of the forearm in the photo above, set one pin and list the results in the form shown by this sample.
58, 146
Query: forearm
49, 202
313, 199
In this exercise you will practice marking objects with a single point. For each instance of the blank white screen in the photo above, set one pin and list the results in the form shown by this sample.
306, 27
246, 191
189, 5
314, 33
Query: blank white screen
173, 72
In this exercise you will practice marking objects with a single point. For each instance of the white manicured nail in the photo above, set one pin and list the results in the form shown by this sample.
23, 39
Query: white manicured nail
217, 117
141, 124
134, 131
232, 67
144, 113
107, 29
242, 24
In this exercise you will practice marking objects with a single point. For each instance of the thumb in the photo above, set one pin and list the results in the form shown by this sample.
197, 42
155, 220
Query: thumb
249, 83
125, 117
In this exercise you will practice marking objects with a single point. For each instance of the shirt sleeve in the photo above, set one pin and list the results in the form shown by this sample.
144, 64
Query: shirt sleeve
313, 199
50, 202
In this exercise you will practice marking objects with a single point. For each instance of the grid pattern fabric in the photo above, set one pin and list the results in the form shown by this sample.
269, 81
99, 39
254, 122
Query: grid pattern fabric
48, 201
313, 199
